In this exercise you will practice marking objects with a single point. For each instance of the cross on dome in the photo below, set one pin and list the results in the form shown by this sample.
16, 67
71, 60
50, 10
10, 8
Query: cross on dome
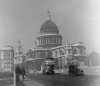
48, 13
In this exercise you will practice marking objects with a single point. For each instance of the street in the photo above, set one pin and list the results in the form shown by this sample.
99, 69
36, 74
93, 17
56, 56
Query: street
65, 80
55, 80
59, 79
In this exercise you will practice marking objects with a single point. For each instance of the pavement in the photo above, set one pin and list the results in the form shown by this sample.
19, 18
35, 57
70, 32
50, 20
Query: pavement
28, 82
6, 82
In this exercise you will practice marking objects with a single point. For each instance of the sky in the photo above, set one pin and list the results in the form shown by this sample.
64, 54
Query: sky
77, 20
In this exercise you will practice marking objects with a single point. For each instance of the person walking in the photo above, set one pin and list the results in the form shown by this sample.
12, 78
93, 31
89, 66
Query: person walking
18, 72
23, 73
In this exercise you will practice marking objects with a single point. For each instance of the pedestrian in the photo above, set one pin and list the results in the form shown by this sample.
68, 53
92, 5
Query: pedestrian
17, 72
23, 73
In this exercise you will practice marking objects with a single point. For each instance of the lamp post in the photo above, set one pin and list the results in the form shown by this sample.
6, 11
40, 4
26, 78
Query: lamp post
14, 72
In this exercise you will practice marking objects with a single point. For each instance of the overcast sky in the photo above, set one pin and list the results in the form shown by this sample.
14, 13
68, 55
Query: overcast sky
77, 20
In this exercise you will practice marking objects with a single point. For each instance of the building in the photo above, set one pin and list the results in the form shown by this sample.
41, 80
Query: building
6, 59
49, 44
78, 53
65, 53
62, 55
47, 38
19, 56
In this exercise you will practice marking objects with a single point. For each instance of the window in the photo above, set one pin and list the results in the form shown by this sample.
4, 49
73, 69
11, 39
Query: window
58, 40
2, 55
40, 41
60, 63
48, 40
55, 53
81, 51
62, 52
75, 51
53, 40
69, 51
37, 42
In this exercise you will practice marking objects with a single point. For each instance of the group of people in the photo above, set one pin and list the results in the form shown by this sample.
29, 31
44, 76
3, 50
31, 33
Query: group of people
19, 71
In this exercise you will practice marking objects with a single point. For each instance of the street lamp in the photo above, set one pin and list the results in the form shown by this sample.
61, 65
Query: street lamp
14, 72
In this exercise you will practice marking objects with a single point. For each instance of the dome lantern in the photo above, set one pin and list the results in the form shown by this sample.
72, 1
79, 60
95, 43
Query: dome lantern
49, 26
48, 13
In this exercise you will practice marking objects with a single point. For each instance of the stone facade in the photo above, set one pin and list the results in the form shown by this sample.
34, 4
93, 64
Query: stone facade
66, 53
62, 55
49, 45
6, 59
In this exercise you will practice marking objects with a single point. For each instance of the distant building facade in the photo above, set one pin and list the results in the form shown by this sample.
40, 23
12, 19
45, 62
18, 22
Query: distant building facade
66, 53
19, 56
6, 59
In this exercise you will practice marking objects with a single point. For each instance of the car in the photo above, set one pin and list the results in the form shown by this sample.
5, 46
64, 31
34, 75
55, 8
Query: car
74, 70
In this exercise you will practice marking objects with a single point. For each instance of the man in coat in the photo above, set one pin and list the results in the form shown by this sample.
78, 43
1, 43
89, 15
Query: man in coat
23, 73
18, 72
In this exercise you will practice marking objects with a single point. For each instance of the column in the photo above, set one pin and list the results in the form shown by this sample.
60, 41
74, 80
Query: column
41, 41
50, 39
59, 40
46, 40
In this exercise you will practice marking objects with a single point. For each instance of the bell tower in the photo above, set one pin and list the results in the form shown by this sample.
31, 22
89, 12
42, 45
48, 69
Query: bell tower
19, 49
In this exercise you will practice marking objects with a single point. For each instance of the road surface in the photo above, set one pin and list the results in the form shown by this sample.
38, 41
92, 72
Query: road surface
91, 78
65, 80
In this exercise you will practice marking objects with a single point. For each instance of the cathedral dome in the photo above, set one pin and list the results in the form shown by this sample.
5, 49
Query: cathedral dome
49, 27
